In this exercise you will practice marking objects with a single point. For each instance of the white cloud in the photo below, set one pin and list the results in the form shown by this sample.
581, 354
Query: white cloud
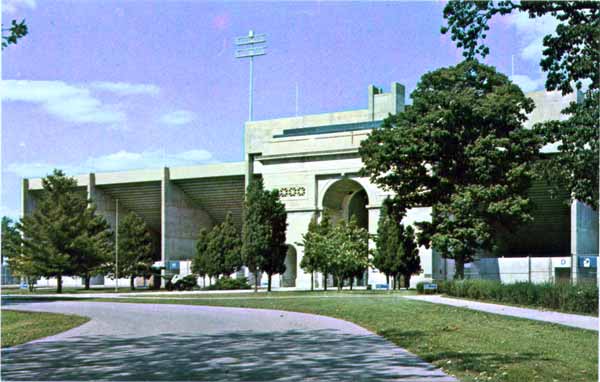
528, 84
179, 117
532, 32
13, 6
67, 102
121, 160
126, 88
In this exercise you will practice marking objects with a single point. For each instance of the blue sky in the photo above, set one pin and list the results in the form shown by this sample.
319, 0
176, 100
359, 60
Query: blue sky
111, 85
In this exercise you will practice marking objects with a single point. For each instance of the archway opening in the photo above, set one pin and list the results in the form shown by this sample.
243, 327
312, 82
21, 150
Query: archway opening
343, 200
288, 278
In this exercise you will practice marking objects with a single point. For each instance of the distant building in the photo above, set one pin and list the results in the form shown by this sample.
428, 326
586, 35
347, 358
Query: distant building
313, 160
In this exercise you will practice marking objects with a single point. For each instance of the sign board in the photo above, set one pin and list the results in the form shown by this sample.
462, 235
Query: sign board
24, 286
587, 261
430, 286
381, 286
173, 265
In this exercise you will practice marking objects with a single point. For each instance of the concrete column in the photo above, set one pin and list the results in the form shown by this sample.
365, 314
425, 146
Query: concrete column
28, 204
105, 204
373, 274
584, 229
297, 226
397, 97
181, 220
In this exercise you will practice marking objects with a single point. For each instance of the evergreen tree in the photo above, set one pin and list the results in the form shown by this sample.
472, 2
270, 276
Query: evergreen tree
263, 232
386, 246
324, 247
409, 254
462, 149
18, 264
200, 261
135, 248
255, 232
49, 234
273, 260
570, 56
94, 248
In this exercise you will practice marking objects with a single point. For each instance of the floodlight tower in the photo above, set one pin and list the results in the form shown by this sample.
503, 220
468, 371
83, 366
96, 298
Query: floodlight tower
250, 47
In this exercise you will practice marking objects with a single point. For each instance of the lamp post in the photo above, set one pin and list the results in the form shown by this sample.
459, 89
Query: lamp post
249, 47
117, 247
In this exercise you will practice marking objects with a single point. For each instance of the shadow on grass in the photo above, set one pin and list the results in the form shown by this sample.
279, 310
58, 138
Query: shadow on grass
297, 355
463, 361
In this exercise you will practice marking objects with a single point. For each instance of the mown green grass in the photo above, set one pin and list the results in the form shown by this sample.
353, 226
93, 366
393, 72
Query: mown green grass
71, 290
474, 346
19, 327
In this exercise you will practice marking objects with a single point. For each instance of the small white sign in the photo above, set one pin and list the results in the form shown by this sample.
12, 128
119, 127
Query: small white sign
587, 263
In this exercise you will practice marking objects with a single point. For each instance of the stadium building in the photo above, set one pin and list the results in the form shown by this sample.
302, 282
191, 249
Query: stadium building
313, 160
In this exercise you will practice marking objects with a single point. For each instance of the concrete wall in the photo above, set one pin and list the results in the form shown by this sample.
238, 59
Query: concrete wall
509, 269
584, 230
181, 222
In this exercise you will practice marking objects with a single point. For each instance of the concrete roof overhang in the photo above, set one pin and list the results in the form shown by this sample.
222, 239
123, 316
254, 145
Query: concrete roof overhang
143, 198
217, 195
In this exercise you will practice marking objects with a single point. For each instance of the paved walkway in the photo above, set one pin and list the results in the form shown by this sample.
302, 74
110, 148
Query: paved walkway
182, 342
574, 320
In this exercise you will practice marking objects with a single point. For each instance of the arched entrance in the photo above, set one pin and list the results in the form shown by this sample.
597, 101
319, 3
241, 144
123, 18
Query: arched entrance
288, 278
347, 198
344, 199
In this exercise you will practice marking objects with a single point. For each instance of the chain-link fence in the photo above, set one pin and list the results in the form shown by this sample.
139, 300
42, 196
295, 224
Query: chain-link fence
568, 269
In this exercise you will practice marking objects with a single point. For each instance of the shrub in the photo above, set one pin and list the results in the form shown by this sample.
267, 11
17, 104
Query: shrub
227, 283
185, 283
582, 298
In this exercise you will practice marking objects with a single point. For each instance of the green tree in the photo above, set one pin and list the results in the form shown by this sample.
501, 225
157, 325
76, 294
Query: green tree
49, 235
385, 256
94, 247
311, 262
223, 249
18, 264
200, 260
409, 254
16, 31
273, 260
570, 56
255, 233
350, 254
263, 232
135, 248
461, 149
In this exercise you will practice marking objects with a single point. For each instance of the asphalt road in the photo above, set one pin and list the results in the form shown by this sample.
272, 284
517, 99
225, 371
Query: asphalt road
127, 342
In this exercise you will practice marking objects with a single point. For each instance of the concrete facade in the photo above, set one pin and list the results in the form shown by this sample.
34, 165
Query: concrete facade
312, 159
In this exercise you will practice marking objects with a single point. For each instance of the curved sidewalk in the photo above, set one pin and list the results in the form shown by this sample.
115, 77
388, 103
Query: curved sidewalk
125, 341
573, 320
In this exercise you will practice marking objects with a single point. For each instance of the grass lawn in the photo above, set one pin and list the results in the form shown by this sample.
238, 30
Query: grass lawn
19, 327
44, 290
474, 346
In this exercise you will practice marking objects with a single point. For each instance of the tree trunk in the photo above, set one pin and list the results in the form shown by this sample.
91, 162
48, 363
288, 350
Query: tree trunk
86, 279
29, 283
132, 282
351, 282
340, 283
459, 263
256, 281
325, 281
312, 281
59, 284
407, 281
204, 281
387, 281
269, 284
